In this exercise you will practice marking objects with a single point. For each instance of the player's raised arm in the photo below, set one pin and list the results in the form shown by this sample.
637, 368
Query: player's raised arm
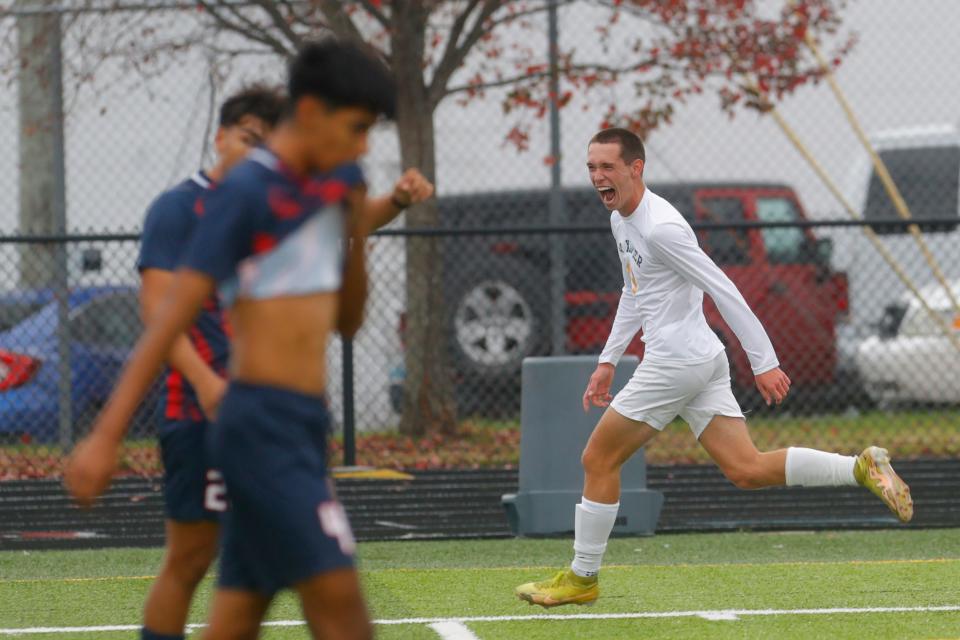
412, 188
353, 292
94, 459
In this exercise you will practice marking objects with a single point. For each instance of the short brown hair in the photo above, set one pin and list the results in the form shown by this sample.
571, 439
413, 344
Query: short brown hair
258, 100
631, 146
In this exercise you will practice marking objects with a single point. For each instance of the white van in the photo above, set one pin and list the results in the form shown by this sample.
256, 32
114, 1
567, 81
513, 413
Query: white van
925, 165
910, 359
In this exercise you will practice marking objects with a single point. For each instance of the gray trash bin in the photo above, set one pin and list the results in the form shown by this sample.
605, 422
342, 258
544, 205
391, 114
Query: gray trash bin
554, 431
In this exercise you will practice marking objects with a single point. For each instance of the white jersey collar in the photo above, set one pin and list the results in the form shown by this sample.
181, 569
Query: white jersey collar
201, 178
265, 157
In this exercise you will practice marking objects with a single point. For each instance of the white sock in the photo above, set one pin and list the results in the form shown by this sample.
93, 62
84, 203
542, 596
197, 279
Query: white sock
812, 468
593, 523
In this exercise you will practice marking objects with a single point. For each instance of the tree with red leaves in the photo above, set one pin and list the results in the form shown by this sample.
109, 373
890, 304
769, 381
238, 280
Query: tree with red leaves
747, 52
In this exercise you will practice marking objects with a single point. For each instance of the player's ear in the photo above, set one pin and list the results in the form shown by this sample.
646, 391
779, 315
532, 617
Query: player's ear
636, 168
219, 139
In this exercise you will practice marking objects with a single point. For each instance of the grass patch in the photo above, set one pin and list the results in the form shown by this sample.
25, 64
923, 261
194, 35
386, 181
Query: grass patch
664, 574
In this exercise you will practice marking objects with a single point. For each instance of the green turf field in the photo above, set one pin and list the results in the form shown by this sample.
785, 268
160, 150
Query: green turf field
890, 584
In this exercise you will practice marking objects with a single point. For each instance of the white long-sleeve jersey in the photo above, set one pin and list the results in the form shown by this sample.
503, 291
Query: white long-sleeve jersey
665, 274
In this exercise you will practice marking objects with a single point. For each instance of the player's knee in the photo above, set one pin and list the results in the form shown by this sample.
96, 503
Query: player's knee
595, 461
744, 476
189, 566
600, 460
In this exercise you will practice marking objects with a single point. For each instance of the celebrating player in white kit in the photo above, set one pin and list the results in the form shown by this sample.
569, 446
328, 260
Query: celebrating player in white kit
684, 372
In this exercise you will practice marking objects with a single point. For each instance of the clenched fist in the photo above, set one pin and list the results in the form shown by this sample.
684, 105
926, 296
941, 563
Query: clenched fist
412, 188
90, 468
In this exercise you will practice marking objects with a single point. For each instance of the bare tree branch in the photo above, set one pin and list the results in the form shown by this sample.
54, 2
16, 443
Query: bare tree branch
340, 22
566, 70
306, 13
237, 12
450, 63
291, 9
270, 7
493, 84
493, 24
374, 11
453, 37
251, 32
240, 51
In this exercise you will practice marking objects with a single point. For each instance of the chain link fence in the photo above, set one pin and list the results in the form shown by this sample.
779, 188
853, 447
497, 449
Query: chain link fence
869, 362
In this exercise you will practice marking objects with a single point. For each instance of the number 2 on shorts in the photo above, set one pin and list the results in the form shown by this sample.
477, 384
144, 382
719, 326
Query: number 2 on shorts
215, 495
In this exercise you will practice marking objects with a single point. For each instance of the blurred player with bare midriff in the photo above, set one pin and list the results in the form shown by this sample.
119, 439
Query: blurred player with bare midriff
282, 243
294, 358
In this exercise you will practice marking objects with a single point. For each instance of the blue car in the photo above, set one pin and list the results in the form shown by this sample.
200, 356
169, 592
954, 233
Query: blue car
103, 325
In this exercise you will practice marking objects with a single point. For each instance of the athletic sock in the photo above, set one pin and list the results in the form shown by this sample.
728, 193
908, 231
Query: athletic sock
593, 523
146, 634
812, 468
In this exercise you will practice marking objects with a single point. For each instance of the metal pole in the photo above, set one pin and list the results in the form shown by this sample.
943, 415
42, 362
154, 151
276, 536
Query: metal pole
349, 420
61, 274
557, 206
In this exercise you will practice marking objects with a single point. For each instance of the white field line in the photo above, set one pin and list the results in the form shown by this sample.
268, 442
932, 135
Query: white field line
453, 630
715, 614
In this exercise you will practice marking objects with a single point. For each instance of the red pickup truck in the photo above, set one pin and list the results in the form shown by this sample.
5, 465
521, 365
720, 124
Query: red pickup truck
498, 287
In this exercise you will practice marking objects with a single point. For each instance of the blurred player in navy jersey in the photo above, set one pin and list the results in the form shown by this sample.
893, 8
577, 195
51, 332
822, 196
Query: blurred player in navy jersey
195, 378
282, 239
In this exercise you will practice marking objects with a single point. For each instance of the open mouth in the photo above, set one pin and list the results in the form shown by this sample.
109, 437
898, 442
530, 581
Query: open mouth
607, 194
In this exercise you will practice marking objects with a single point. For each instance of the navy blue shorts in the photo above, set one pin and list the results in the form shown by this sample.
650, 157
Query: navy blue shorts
192, 491
283, 524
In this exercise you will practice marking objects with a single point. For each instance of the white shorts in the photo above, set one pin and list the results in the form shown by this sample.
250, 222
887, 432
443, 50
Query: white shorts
660, 391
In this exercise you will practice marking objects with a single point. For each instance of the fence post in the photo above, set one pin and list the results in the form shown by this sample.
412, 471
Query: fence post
557, 208
349, 421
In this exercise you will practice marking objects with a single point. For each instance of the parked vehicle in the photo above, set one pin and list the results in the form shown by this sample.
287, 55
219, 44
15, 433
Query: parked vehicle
498, 288
103, 324
910, 359
924, 163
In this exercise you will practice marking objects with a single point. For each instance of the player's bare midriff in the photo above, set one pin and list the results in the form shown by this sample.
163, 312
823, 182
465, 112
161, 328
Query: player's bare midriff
282, 342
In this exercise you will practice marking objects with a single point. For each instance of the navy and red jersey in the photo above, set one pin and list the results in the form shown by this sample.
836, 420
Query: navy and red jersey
268, 233
169, 225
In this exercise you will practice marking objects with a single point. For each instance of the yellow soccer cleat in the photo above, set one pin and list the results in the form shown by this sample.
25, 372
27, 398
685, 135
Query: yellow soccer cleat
873, 471
565, 587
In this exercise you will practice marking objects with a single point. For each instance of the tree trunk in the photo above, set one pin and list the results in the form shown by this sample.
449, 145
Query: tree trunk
429, 400
41, 143
43, 208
